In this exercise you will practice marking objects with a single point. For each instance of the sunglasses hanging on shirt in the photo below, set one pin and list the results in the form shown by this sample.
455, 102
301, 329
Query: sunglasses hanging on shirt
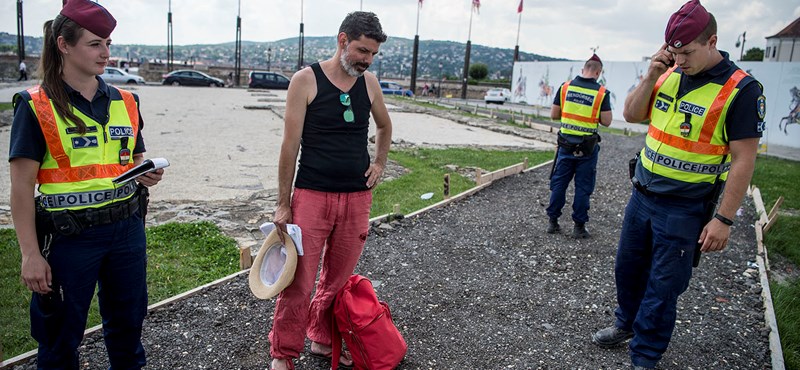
348, 115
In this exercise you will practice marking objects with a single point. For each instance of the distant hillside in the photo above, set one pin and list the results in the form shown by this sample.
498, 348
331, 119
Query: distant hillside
395, 61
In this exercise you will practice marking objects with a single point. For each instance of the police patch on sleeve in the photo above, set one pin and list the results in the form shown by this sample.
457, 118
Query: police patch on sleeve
761, 106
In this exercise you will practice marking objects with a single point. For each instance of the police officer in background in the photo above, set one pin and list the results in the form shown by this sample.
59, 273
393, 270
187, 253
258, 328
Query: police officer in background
580, 104
72, 135
706, 117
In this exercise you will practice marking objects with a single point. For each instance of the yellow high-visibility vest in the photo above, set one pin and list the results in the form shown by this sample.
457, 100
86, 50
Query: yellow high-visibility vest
77, 169
580, 109
686, 141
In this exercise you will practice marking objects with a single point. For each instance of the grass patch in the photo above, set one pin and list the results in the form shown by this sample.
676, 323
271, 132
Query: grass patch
786, 298
180, 257
427, 173
777, 177
6, 106
782, 238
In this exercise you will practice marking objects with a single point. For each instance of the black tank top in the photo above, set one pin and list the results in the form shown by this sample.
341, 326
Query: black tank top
333, 154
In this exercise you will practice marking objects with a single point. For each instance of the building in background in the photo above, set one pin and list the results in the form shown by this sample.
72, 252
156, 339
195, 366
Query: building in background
784, 46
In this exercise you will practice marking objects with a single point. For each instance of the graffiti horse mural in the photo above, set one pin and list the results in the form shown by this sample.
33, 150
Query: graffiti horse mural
794, 111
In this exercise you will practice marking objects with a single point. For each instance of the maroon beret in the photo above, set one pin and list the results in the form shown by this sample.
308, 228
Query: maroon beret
90, 15
596, 59
686, 24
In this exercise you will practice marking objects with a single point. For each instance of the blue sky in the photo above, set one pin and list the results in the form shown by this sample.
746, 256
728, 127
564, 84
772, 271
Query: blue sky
624, 30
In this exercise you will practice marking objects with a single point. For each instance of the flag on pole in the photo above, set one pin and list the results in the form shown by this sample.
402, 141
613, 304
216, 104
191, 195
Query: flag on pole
519, 8
476, 6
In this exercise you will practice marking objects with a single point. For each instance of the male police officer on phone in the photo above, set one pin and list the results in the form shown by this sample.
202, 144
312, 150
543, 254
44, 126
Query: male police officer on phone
706, 117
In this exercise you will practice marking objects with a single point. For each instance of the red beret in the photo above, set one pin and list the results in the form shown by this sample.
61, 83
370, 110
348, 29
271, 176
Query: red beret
596, 59
90, 15
686, 24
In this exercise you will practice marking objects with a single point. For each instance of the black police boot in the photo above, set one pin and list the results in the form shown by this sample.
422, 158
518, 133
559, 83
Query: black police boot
580, 232
611, 337
554, 227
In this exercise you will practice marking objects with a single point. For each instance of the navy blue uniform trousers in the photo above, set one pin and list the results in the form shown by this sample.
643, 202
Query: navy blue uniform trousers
112, 257
584, 170
653, 267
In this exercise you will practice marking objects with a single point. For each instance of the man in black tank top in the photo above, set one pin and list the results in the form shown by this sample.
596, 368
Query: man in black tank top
328, 107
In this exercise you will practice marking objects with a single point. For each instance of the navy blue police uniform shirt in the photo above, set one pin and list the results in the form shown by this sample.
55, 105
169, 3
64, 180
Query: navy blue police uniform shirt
586, 83
27, 139
743, 120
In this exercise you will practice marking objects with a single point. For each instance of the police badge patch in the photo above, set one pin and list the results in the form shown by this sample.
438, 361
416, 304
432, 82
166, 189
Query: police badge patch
761, 106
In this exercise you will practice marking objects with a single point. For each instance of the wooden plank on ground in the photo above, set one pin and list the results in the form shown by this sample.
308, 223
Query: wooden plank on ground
773, 214
760, 210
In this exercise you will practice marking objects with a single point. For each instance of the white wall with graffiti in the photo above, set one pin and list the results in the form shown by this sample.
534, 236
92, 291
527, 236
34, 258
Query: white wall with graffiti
535, 83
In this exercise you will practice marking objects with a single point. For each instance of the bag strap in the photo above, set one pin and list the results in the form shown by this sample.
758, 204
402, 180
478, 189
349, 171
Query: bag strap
336, 342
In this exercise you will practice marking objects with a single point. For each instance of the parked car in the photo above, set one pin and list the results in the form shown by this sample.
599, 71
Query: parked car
114, 75
191, 78
393, 88
267, 80
497, 96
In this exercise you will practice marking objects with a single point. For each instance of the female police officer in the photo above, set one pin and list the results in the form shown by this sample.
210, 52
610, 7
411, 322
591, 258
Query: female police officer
73, 134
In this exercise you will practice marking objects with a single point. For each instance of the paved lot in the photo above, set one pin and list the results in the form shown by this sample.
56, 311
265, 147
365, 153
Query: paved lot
219, 150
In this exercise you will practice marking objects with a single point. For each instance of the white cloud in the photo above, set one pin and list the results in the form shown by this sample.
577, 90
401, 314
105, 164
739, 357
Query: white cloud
623, 29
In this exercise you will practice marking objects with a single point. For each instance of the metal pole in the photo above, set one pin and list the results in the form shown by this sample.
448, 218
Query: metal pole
301, 39
238, 53
741, 53
170, 44
516, 48
465, 72
20, 33
416, 55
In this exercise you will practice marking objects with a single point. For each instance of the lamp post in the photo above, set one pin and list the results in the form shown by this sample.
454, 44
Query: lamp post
742, 39
269, 58
301, 39
441, 80
20, 33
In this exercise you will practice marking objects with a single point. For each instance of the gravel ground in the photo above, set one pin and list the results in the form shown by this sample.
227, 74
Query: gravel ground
479, 284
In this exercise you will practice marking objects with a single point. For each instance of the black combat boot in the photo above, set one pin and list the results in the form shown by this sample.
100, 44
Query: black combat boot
554, 227
611, 336
580, 232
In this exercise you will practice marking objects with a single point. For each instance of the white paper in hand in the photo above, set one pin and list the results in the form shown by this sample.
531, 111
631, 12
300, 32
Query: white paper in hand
147, 166
293, 230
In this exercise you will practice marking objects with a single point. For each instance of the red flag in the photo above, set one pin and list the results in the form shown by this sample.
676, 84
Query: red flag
519, 8
476, 6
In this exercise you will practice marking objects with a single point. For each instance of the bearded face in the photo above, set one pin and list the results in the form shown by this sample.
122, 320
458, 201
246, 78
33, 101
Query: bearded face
355, 62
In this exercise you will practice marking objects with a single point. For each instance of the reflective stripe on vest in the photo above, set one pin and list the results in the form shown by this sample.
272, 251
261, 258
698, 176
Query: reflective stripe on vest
580, 109
84, 164
87, 198
700, 155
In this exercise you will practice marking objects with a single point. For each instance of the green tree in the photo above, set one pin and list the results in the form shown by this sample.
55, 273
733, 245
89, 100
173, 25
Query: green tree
478, 71
754, 55
4, 48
